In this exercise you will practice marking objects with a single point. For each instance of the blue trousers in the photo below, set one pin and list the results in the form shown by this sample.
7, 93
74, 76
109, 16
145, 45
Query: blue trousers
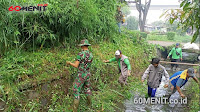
119, 26
152, 91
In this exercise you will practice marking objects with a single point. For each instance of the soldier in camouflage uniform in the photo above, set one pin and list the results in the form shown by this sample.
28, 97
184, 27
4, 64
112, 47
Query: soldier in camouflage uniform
82, 81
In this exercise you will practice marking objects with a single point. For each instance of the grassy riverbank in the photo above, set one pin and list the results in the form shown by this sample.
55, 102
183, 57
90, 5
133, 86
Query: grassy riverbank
192, 92
41, 80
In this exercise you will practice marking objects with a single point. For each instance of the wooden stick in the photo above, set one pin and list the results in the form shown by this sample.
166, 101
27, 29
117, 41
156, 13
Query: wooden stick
179, 63
189, 64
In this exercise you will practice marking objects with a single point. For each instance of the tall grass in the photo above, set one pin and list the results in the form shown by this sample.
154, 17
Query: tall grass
30, 69
62, 23
193, 96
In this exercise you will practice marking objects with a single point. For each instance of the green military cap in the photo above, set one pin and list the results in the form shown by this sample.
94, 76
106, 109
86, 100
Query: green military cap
84, 43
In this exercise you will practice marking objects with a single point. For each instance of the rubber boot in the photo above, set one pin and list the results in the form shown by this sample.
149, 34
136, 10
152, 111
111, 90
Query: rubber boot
89, 100
75, 105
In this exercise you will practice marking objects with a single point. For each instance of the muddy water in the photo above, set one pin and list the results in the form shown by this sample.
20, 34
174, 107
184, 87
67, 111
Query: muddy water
131, 106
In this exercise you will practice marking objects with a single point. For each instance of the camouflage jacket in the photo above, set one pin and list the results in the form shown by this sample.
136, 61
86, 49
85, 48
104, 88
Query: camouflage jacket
85, 58
119, 16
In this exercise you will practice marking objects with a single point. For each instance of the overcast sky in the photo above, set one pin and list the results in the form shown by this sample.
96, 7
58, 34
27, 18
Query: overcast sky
164, 2
154, 15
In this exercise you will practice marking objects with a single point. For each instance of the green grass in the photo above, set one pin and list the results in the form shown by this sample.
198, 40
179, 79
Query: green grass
29, 70
192, 94
178, 38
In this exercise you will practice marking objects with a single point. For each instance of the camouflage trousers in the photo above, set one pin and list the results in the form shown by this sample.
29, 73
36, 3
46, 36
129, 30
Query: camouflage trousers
82, 81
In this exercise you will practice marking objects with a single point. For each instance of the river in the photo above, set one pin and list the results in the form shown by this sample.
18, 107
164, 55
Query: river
131, 106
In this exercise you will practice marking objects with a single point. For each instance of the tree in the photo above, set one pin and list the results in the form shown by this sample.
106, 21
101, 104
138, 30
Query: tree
126, 10
132, 23
143, 10
188, 16
170, 27
174, 28
158, 23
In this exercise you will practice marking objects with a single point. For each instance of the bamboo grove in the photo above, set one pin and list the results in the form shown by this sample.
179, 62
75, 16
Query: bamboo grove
64, 22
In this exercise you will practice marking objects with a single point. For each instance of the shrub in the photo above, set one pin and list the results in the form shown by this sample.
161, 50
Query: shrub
133, 34
136, 35
143, 35
132, 23
157, 37
171, 35
154, 32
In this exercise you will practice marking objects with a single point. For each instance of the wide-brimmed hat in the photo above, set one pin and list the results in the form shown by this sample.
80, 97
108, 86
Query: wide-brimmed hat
84, 42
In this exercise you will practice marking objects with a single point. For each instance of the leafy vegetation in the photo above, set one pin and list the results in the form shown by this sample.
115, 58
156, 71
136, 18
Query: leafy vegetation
177, 38
169, 27
132, 23
126, 10
57, 25
33, 70
143, 35
136, 35
188, 16
193, 97
171, 35
36, 45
